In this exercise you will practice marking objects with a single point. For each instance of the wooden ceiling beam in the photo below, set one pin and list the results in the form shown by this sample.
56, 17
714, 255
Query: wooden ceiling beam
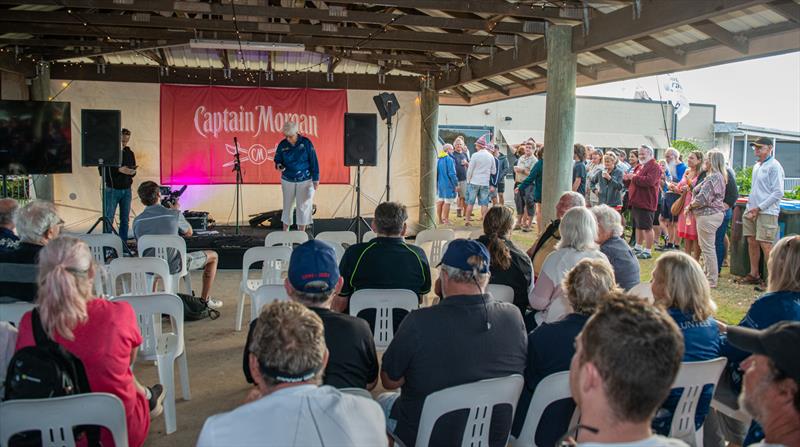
530, 84
500, 7
788, 9
9, 62
663, 50
495, 86
463, 93
622, 62
734, 41
588, 71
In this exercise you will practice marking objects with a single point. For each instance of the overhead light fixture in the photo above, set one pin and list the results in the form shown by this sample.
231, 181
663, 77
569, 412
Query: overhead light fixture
215, 44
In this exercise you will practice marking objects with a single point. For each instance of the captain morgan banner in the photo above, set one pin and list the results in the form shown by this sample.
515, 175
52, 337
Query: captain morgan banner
198, 125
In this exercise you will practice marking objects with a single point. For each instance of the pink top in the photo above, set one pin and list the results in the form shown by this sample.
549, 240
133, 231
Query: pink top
104, 344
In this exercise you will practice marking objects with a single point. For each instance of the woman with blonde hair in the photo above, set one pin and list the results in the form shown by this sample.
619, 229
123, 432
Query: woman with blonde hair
104, 335
607, 182
708, 207
687, 229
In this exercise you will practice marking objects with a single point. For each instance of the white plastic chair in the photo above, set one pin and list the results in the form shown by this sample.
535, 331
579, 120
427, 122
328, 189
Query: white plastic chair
360, 392
383, 301
738, 414
339, 237
368, 236
140, 271
13, 312
437, 238
285, 238
551, 389
97, 244
161, 245
55, 417
501, 292
275, 262
692, 377
338, 250
164, 347
479, 398
265, 295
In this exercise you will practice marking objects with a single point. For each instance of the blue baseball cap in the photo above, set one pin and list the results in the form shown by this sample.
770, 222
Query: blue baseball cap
460, 250
313, 267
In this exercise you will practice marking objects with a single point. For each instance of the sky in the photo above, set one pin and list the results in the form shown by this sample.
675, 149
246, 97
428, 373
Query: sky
761, 92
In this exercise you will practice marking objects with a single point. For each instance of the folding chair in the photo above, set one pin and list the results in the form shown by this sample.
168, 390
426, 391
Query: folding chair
501, 292
13, 312
98, 243
368, 236
384, 301
692, 377
438, 239
162, 246
343, 238
551, 389
265, 295
285, 238
360, 392
140, 272
275, 261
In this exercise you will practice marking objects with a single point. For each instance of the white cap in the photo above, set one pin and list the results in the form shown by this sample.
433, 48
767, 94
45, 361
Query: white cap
290, 128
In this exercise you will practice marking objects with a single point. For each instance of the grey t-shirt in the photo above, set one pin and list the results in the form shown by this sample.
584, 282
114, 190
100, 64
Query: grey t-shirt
624, 262
159, 220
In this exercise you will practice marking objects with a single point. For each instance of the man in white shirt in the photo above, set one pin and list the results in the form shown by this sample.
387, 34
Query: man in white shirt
289, 408
760, 220
481, 167
626, 359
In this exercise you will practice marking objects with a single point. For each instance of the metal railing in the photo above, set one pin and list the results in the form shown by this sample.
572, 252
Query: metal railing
17, 187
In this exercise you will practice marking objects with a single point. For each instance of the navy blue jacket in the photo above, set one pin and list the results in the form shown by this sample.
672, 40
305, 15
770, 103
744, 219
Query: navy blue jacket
300, 160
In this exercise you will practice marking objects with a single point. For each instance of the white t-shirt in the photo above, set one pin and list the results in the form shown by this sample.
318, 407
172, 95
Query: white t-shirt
303, 415
481, 167
653, 441
767, 187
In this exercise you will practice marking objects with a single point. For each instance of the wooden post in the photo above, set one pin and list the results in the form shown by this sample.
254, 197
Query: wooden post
40, 91
559, 128
429, 130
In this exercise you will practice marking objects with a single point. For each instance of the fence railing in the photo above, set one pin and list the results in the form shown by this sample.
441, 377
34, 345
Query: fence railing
17, 187
789, 184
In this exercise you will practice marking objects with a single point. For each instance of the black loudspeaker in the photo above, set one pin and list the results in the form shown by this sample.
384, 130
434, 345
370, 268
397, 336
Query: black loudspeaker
387, 104
101, 132
334, 224
360, 139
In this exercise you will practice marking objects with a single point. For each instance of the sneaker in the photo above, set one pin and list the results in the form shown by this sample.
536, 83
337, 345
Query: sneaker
637, 250
156, 400
644, 255
214, 303
664, 247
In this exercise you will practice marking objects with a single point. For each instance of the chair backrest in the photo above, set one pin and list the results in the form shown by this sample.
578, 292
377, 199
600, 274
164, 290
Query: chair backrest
265, 295
360, 392
340, 237
275, 259
383, 301
438, 238
368, 236
285, 238
338, 250
692, 377
139, 270
13, 312
479, 398
149, 309
55, 417
161, 244
551, 389
501, 292
99, 242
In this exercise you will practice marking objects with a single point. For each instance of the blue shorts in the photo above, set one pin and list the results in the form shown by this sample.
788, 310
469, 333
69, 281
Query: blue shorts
481, 193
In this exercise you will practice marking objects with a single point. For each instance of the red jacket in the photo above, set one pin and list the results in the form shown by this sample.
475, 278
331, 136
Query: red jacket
643, 186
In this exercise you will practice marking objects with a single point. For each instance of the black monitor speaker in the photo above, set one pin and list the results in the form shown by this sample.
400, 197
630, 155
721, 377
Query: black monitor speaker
360, 139
101, 132
387, 104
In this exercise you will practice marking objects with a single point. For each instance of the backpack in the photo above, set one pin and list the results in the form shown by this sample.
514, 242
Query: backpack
195, 308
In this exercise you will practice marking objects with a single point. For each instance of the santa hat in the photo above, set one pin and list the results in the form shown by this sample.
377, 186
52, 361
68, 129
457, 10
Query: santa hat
483, 141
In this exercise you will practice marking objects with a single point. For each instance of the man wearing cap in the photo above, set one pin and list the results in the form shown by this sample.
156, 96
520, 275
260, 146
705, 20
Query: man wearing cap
296, 158
467, 337
118, 182
313, 281
288, 407
482, 167
771, 386
760, 220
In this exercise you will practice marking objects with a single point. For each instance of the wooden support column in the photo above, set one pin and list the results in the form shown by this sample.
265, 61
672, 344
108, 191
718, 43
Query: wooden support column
559, 126
40, 91
428, 131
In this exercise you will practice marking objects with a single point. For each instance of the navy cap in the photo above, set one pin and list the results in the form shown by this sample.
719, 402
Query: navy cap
313, 267
460, 250
763, 141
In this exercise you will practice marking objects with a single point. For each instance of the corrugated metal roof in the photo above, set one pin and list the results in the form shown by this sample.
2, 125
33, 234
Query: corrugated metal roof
747, 19
628, 48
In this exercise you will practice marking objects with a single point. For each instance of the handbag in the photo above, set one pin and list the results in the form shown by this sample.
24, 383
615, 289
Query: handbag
679, 204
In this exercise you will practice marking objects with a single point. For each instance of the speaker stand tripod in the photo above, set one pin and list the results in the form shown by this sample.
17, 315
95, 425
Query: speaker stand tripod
108, 225
357, 221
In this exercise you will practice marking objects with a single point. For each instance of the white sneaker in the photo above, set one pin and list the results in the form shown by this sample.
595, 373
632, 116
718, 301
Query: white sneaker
214, 303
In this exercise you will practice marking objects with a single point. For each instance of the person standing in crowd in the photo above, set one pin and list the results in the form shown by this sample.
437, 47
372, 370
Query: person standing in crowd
676, 168
579, 169
687, 227
296, 158
619, 254
498, 179
721, 238
446, 184
633, 161
482, 167
595, 166
531, 188
643, 186
708, 208
660, 222
623, 159
760, 220
522, 169
118, 182
461, 157
8, 239
606, 182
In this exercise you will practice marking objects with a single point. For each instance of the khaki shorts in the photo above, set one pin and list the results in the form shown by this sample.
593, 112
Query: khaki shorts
764, 227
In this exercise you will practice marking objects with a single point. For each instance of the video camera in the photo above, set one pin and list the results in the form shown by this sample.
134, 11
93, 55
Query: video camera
169, 197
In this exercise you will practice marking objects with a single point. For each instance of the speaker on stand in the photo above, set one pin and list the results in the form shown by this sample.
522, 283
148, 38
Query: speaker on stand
360, 149
101, 143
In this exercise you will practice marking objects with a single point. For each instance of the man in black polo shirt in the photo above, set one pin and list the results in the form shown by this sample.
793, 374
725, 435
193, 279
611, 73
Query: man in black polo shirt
118, 182
313, 281
467, 337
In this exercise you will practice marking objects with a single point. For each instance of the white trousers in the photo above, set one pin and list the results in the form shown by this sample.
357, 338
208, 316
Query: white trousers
303, 193
706, 234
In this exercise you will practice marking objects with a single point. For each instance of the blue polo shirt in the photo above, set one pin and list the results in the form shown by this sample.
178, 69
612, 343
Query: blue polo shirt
299, 159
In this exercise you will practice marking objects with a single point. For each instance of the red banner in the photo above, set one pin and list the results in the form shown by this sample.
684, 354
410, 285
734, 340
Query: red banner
198, 125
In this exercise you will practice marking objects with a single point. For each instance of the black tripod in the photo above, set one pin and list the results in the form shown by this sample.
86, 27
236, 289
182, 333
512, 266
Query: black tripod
237, 168
357, 221
108, 225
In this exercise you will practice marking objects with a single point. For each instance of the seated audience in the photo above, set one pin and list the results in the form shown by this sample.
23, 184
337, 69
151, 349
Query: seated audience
103, 334
618, 252
680, 286
548, 239
510, 266
37, 224
8, 239
771, 385
551, 345
578, 231
287, 360
313, 281
465, 338
157, 219
619, 390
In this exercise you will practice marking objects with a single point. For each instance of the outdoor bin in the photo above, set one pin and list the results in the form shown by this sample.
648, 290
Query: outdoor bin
788, 221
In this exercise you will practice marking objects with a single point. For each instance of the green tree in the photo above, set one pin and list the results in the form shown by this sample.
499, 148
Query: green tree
743, 178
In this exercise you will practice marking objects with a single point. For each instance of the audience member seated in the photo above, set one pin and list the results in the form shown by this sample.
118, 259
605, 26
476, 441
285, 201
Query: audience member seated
465, 338
37, 224
313, 281
626, 359
288, 407
510, 265
551, 345
618, 252
680, 286
8, 239
548, 239
103, 334
385, 262
771, 383
578, 230
157, 219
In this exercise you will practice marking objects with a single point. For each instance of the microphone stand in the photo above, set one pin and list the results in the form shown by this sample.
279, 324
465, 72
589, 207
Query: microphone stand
237, 167
388, 147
